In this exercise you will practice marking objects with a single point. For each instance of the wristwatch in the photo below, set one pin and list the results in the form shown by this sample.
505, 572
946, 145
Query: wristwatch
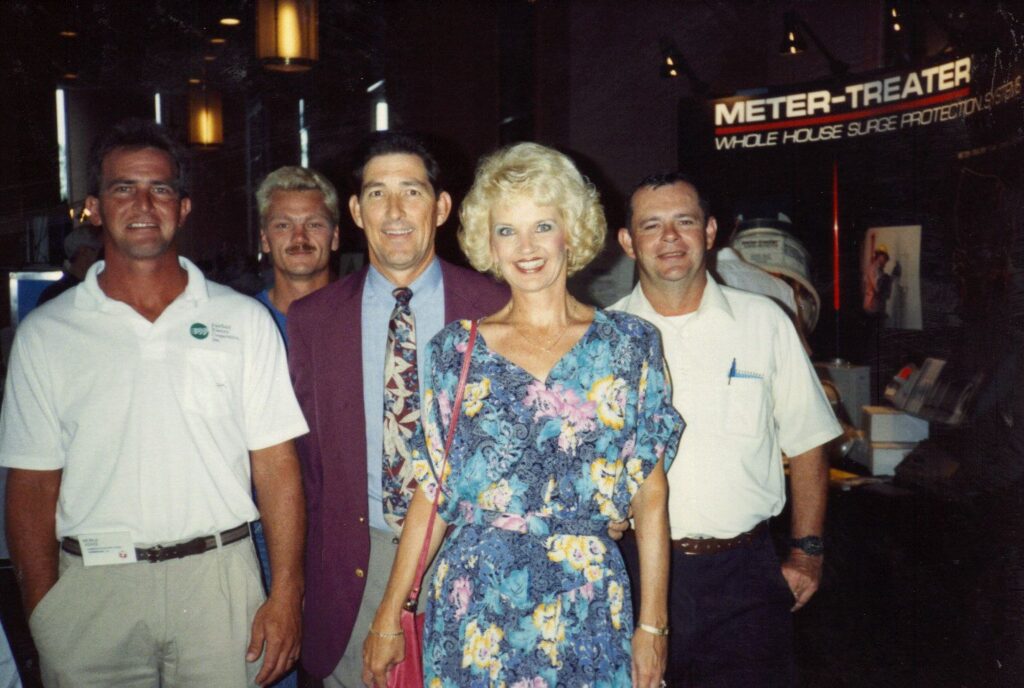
811, 544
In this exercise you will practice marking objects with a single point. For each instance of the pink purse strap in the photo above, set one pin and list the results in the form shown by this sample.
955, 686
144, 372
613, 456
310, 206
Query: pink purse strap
410, 603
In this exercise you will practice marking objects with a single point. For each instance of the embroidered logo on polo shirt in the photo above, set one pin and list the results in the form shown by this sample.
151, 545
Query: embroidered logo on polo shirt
199, 331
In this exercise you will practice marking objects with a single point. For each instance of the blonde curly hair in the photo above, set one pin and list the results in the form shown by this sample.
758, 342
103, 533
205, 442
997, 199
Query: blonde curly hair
548, 178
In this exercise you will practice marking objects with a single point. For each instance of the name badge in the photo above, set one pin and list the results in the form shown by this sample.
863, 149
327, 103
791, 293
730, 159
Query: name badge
106, 549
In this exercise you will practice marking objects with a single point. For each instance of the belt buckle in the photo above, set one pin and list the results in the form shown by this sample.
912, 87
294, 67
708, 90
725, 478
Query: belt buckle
159, 553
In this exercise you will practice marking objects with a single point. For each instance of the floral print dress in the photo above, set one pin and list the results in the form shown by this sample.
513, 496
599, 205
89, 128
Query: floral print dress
530, 592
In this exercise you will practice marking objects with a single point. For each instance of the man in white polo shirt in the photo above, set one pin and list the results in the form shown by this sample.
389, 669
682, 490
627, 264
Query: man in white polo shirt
140, 407
742, 382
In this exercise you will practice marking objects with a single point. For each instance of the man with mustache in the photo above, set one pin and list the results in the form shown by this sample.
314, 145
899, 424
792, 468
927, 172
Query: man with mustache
338, 344
298, 210
141, 406
748, 394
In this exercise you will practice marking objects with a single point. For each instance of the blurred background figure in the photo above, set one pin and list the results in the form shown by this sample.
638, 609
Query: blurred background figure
82, 248
734, 271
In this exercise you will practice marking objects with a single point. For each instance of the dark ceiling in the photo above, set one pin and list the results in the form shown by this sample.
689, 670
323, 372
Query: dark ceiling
158, 45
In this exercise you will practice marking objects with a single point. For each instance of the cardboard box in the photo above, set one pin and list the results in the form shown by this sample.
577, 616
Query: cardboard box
886, 424
883, 457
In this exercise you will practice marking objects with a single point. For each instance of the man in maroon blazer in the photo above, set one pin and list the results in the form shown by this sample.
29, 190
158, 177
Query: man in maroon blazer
338, 338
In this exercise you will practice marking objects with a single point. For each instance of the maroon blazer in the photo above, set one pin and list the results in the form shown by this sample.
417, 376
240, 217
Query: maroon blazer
325, 357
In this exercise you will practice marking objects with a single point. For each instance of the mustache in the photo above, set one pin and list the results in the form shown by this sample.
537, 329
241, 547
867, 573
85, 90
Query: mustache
300, 248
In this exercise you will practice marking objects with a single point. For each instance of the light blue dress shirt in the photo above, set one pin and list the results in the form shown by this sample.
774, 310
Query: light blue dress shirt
279, 317
428, 310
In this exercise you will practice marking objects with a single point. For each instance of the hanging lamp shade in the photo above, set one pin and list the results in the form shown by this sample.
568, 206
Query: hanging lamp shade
286, 34
205, 117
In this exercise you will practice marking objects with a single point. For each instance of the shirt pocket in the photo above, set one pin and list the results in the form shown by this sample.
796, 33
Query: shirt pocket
745, 410
207, 383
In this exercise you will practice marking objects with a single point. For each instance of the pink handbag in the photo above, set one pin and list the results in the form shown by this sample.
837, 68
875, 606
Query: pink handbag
409, 672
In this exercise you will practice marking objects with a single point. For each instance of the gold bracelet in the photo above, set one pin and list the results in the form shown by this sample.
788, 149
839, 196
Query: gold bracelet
396, 634
653, 630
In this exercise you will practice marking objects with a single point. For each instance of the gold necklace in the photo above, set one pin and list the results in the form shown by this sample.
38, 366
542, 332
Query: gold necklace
546, 349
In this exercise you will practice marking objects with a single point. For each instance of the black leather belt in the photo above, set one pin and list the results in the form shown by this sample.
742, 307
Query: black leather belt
178, 551
717, 545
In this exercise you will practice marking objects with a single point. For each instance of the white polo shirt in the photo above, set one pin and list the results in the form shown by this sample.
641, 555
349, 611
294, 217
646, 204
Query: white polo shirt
748, 393
151, 423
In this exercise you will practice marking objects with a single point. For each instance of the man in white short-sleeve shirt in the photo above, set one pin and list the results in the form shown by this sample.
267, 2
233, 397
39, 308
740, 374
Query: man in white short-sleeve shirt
140, 408
742, 382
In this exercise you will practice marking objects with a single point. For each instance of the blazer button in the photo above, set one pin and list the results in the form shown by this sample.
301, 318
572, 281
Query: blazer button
362, 519
360, 573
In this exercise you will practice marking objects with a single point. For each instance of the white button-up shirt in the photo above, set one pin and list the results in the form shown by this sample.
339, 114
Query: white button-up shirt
748, 393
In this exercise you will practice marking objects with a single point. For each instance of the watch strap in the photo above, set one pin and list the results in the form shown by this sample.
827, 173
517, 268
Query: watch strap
809, 544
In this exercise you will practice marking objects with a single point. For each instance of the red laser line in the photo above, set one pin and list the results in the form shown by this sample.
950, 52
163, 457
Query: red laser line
835, 235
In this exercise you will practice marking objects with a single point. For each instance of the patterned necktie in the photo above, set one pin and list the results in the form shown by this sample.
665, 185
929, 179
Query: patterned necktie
403, 434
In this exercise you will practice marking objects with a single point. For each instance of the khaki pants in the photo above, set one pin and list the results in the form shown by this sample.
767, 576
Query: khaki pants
183, 622
383, 547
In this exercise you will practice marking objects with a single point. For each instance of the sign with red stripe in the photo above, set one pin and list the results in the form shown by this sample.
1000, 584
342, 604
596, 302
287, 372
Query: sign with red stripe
882, 104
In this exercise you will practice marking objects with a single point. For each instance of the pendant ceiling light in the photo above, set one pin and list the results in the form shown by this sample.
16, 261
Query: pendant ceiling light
286, 34
205, 117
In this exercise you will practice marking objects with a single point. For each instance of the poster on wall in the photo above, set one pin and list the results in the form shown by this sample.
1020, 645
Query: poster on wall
890, 276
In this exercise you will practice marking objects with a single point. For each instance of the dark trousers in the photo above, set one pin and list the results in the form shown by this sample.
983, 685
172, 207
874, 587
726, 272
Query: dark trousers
729, 617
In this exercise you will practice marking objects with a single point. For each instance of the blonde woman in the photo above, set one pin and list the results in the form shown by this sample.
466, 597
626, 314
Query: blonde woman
565, 424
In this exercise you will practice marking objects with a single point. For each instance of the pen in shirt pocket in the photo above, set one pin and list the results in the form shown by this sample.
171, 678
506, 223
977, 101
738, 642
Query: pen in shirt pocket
736, 374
